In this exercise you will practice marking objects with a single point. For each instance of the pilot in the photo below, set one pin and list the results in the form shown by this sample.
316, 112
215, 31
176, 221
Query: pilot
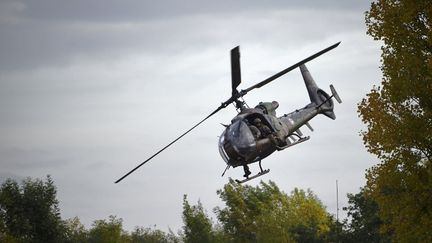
266, 132
255, 132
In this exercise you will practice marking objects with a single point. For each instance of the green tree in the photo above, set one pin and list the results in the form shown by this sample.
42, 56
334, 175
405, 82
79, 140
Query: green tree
398, 115
148, 235
108, 231
266, 214
337, 232
75, 231
197, 225
29, 212
364, 221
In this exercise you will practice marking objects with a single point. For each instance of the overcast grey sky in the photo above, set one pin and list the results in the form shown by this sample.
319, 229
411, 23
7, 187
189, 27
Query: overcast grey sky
89, 89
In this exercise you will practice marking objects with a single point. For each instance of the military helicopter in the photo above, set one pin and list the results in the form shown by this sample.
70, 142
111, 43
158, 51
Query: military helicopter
255, 133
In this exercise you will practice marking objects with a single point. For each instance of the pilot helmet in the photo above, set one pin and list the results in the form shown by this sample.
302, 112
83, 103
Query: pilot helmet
257, 121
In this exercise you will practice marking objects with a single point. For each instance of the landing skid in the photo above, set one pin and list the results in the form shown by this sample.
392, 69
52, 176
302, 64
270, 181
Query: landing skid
302, 139
262, 172
253, 177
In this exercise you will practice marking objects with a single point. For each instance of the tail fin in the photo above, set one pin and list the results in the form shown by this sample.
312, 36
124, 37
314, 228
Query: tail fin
319, 98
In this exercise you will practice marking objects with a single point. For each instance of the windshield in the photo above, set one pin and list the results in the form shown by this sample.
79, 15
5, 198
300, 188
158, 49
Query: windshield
221, 147
239, 137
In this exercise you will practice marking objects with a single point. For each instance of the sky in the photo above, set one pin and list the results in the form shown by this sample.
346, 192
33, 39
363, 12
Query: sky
90, 89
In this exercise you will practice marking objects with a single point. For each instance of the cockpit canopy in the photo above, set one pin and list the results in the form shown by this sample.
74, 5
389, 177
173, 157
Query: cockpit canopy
237, 142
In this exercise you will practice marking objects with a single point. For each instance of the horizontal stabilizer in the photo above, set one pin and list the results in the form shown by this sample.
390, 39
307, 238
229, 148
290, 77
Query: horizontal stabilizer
335, 94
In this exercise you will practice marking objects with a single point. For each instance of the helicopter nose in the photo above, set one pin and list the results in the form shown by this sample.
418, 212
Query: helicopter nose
237, 142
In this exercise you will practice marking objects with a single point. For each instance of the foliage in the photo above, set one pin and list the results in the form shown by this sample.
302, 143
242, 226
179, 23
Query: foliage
398, 115
266, 214
148, 235
337, 232
111, 230
29, 212
365, 222
75, 231
197, 225
108, 231
252, 214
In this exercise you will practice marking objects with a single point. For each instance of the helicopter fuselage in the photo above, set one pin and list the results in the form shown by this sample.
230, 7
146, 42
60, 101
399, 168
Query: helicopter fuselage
241, 144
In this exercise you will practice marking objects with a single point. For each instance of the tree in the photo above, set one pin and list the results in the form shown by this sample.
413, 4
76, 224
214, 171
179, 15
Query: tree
75, 231
398, 115
266, 214
197, 225
365, 222
108, 231
148, 235
29, 212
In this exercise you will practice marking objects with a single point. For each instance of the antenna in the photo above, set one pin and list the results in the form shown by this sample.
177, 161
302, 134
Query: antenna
337, 212
337, 202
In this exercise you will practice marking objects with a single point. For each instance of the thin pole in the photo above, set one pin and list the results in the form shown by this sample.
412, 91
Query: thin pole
337, 211
337, 201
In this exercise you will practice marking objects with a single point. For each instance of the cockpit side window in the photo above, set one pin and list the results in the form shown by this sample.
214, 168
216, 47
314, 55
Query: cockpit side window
251, 120
221, 146
237, 143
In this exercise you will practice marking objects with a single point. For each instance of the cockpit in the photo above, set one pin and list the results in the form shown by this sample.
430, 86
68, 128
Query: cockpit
238, 142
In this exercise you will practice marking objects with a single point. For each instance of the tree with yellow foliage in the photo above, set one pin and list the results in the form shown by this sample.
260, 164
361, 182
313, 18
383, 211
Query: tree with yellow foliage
398, 115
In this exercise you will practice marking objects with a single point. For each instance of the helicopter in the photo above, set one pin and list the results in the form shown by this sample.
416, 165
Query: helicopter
255, 133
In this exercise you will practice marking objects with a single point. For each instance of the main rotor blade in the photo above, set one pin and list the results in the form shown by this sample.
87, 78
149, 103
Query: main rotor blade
277, 75
235, 69
223, 105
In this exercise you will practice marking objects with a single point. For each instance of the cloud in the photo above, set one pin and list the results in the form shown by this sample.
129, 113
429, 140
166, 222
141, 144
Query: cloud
103, 10
53, 33
90, 89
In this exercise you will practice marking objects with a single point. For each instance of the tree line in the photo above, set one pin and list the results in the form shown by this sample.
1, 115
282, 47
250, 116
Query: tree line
29, 212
